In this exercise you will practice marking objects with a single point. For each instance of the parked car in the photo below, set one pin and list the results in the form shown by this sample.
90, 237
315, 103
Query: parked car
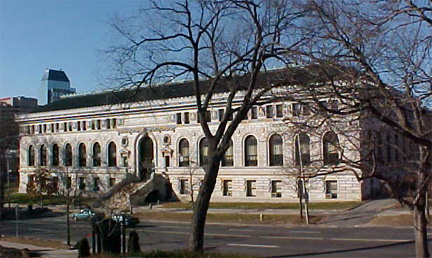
84, 214
129, 221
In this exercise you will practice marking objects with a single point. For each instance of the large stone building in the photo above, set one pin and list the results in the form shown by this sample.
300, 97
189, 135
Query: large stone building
92, 142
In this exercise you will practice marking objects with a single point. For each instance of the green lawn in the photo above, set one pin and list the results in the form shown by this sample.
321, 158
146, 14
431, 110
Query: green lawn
258, 206
22, 198
228, 217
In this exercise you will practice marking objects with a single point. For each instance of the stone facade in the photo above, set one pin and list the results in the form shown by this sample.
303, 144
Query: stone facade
143, 137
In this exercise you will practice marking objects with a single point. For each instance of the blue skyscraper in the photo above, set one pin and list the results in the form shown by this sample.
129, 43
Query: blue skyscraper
54, 84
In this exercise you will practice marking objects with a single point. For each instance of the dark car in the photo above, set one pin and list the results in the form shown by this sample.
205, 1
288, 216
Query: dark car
128, 220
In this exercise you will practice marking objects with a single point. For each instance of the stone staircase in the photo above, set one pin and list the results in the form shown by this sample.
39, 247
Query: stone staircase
131, 189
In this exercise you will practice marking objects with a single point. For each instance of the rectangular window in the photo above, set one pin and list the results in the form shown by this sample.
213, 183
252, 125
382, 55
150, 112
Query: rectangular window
322, 106
125, 162
93, 125
167, 161
251, 188
279, 110
70, 127
331, 189
254, 113
227, 187
96, 183
108, 123
269, 111
178, 118
69, 183
295, 109
98, 124
276, 189
306, 111
186, 118
30, 180
114, 123
81, 183
184, 186
221, 114
84, 125
111, 182
52, 128
78, 125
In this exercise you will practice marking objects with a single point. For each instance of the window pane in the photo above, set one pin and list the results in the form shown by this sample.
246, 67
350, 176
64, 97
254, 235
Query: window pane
228, 159
112, 155
251, 151
184, 153
276, 152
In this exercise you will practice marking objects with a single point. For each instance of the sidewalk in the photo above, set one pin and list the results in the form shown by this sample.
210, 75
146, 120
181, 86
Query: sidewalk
42, 251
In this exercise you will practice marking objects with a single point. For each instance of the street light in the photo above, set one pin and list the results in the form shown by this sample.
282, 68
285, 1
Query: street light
9, 154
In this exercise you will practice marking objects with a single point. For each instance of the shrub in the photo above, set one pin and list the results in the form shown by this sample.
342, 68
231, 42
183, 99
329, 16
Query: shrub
133, 242
83, 248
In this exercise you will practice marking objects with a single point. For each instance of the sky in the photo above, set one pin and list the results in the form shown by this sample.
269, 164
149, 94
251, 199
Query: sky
58, 34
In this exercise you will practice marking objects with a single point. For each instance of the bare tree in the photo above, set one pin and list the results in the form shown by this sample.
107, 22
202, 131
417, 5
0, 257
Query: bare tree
9, 131
384, 49
196, 40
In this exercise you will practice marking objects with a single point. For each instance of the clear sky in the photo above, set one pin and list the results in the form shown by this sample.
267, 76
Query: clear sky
57, 34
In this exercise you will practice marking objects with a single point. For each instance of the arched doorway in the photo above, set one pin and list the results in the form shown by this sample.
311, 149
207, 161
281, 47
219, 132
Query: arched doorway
146, 157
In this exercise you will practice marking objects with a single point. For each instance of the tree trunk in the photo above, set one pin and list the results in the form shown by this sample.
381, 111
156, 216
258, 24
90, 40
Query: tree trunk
196, 238
420, 230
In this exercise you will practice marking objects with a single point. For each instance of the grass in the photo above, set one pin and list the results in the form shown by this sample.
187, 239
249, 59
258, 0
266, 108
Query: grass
36, 241
259, 206
23, 198
228, 217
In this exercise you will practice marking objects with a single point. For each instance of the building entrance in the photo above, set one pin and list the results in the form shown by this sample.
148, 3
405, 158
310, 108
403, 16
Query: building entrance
146, 158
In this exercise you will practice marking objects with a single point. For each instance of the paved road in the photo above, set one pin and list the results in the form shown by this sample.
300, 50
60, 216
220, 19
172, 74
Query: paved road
274, 241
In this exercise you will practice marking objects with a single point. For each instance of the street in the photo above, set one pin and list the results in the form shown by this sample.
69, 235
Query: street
269, 240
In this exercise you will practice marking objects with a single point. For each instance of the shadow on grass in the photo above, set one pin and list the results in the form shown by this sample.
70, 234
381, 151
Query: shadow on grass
345, 250
9, 214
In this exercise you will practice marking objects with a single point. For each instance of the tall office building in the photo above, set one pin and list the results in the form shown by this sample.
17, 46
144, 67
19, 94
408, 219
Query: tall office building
54, 84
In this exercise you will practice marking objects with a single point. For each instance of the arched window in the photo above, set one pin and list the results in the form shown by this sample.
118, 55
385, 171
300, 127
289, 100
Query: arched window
251, 151
43, 155
276, 152
112, 155
96, 155
68, 155
331, 148
31, 156
228, 158
55, 155
302, 152
82, 155
184, 153
204, 151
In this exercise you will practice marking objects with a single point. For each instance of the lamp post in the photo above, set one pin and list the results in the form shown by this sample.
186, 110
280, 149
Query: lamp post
9, 154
